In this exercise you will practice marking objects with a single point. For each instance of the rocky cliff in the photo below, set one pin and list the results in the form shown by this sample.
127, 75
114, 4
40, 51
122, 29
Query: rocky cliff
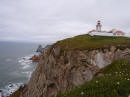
72, 62
60, 70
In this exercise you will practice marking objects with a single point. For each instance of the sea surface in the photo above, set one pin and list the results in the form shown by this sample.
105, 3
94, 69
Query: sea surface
15, 66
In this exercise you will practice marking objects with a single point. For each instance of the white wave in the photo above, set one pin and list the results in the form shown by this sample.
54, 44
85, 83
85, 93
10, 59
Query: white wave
26, 65
25, 62
9, 89
28, 73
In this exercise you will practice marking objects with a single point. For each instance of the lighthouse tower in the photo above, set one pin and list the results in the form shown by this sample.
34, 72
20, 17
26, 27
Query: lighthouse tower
98, 26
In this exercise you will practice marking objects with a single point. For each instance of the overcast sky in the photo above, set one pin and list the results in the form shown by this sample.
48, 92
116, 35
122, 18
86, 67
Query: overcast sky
51, 20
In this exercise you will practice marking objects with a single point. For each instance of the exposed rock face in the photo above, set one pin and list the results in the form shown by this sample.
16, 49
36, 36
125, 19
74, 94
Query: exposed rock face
35, 58
60, 70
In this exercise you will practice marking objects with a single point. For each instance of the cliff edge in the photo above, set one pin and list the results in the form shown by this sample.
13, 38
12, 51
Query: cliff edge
73, 62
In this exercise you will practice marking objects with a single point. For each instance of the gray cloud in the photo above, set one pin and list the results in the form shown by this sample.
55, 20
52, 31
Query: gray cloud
51, 20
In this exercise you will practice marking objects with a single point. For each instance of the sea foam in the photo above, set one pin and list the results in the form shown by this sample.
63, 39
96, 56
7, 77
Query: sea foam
25, 64
9, 89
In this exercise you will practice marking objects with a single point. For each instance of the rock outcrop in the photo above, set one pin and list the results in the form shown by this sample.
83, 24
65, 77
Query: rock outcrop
35, 58
59, 70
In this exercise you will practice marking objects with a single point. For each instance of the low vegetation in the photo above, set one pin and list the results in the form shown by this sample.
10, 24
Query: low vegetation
115, 82
83, 42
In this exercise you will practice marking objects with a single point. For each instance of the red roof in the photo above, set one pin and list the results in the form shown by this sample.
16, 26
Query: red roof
119, 32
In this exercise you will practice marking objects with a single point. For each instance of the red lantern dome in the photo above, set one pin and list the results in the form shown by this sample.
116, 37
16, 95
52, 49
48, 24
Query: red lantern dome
99, 22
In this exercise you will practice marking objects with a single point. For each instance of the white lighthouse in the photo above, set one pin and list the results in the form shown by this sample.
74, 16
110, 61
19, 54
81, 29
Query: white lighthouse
98, 26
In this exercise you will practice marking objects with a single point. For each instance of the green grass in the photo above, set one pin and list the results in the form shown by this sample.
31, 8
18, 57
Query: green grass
84, 42
114, 83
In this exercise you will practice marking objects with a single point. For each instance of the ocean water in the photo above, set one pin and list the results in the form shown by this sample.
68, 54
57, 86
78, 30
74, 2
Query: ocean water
15, 66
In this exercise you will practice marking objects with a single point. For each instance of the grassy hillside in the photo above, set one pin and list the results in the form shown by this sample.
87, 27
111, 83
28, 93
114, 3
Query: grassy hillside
83, 42
114, 83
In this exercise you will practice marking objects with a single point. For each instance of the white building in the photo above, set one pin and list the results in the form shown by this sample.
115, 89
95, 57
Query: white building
98, 26
100, 32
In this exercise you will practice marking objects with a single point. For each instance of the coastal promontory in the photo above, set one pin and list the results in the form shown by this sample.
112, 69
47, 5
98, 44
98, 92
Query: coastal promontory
82, 66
